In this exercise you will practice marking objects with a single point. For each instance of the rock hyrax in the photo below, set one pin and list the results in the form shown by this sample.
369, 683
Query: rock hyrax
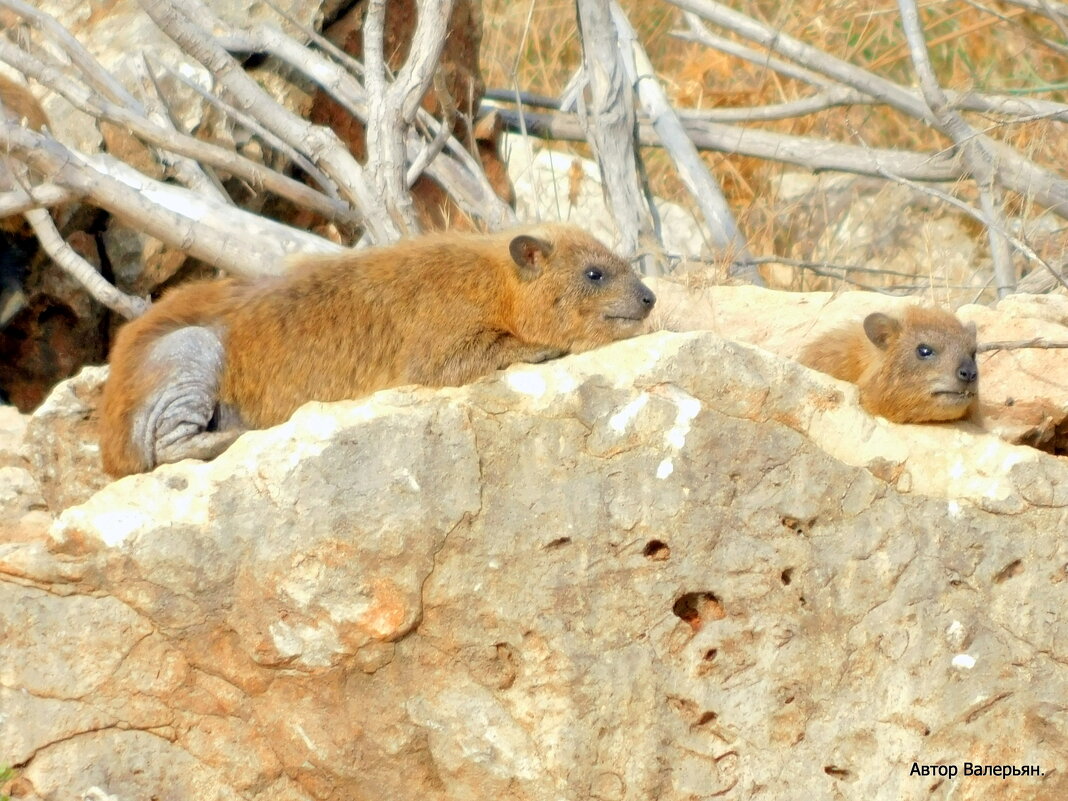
915, 367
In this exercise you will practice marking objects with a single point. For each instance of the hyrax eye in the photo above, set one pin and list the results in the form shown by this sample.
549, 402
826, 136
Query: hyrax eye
924, 351
594, 274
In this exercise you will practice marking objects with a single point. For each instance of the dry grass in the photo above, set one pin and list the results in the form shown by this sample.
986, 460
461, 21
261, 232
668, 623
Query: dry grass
972, 47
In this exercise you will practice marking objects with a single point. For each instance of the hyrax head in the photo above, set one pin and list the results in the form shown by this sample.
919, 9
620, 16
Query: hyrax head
576, 294
929, 371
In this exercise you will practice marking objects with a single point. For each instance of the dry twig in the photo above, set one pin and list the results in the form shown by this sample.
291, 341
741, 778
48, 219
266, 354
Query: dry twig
719, 221
977, 155
1019, 344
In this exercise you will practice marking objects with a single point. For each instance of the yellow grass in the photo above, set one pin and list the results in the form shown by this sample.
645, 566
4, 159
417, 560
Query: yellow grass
533, 44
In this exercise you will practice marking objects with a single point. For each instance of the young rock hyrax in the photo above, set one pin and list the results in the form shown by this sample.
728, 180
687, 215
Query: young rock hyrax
214, 358
914, 368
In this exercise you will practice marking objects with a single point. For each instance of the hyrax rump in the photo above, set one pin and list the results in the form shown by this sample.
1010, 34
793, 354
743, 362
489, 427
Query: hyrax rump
214, 358
916, 368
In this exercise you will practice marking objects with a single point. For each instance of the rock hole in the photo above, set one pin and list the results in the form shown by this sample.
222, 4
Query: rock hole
698, 607
1050, 438
926, 731
710, 654
787, 576
789, 699
836, 772
559, 542
656, 550
799, 527
1013, 568
706, 717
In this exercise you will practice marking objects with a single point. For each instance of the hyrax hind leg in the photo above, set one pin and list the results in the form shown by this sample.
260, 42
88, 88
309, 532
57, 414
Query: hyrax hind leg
181, 417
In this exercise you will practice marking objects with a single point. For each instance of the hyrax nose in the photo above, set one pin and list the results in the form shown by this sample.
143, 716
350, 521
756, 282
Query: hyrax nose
968, 372
648, 299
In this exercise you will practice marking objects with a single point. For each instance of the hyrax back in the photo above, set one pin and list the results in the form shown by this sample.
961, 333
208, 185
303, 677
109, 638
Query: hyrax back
438, 310
916, 368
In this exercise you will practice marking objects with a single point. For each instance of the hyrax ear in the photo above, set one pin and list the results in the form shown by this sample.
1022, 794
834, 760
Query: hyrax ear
880, 329
530, 254
971, 329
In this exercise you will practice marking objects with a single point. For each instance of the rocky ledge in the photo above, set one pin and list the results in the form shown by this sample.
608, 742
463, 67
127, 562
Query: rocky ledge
678, 567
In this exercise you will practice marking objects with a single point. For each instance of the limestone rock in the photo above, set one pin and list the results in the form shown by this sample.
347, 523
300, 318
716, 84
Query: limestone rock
894, 233
676, 568
23, 512
61, 444
1024, 391
12, 429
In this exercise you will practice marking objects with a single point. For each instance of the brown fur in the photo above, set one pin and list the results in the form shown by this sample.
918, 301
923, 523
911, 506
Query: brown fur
880, 356
439, 310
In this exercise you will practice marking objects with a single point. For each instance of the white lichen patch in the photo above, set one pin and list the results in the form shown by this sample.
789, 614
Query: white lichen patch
688, 406
527, 382
619, 421
964, 661
543, 381
314, 421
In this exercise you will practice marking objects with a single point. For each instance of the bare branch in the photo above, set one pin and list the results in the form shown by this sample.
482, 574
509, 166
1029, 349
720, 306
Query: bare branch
978, 157
227, 237
1011, 169
19, 200
13, 176
253, 126
104, 82
608, 117
805, 151
430, 152
1047, 8
385, 157
693, 172
321, 144
187, 170
844, 273
456, 168
983, 218
699, 33
81, 270
1018, 344
86, 100
809, 57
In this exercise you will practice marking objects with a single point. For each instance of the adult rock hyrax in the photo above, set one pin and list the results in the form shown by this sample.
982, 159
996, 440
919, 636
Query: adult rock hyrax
917, 367
214, 358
